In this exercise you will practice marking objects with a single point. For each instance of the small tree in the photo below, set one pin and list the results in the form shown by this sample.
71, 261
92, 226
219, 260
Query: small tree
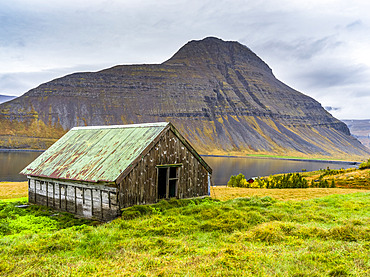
365, 165
237, 181
244, 183
232, 181
332, 183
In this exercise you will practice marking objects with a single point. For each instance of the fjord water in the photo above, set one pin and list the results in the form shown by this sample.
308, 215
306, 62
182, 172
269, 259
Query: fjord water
11, 163
224, 167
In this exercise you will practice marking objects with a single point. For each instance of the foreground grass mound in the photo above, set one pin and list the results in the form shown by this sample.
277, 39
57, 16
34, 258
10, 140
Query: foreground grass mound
17, 218
257, 236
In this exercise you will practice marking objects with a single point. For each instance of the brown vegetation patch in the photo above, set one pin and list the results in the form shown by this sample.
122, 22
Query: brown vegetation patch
10, 190
224, 193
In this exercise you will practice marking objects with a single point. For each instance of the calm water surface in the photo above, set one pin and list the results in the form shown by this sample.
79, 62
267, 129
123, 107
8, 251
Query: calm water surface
224, 167
11, 163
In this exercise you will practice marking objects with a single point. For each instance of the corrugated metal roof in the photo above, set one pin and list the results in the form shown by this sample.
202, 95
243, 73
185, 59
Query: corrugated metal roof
94, 153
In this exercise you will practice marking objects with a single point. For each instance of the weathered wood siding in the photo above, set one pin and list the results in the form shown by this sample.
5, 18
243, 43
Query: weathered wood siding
88, 201
140, 185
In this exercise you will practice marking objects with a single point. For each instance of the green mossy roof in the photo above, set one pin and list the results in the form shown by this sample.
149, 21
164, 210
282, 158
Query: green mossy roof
94, 154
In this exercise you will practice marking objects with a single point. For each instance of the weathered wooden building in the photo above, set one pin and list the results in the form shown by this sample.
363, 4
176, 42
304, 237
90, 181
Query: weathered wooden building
94, 172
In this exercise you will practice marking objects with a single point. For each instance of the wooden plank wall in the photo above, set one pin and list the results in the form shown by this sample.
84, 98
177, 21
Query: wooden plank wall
140, 185
88, 201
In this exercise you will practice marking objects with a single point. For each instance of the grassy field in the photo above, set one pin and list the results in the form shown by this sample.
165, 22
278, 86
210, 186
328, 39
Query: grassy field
10, 190
225, 193
237, 232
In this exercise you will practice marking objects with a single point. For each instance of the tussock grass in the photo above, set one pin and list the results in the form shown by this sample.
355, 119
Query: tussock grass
253, 236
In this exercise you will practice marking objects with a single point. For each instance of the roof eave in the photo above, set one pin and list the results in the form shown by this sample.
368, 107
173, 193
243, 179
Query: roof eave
143, 153
154, 142
71, 179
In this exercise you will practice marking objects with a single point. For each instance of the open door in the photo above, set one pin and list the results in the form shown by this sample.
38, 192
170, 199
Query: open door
167, 182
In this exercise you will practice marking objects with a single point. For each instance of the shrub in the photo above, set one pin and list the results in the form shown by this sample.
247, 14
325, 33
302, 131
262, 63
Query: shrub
291, 180
238, 181
364, 165
320, 183
331, 172
332, 183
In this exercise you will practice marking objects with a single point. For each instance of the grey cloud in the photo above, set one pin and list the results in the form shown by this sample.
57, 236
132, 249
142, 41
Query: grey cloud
303, 49
355, 24
362, 92
12, 84
20, 82
335, 75
329, 108
18, 26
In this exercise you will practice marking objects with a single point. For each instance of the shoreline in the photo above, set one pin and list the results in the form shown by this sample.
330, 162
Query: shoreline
231, 156
21, 150
288, 159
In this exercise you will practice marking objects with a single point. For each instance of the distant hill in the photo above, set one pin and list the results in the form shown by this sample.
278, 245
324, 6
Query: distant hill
5, 98
219, 94
360, 129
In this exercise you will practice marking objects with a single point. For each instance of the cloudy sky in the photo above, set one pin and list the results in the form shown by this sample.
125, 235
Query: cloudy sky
319, 47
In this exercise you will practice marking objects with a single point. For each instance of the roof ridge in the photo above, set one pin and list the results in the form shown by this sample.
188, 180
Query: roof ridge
140, 125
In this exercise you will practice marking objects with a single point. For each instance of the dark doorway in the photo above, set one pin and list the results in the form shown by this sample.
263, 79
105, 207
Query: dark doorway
168, 177
162, 182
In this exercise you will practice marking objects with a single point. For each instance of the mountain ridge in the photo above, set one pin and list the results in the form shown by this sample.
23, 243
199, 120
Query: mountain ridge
221, 96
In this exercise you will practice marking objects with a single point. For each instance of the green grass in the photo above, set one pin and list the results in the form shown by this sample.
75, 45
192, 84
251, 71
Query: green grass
327, 236
16, 220
17, 200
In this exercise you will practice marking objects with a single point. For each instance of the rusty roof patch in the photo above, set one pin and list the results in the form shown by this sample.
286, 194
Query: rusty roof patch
94, 154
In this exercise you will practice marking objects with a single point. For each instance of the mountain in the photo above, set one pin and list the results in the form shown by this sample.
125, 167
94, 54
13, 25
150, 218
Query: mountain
220, 95
360, 129
5, 98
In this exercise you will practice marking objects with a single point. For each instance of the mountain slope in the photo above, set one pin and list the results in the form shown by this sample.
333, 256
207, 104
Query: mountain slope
360, 129
219, 94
